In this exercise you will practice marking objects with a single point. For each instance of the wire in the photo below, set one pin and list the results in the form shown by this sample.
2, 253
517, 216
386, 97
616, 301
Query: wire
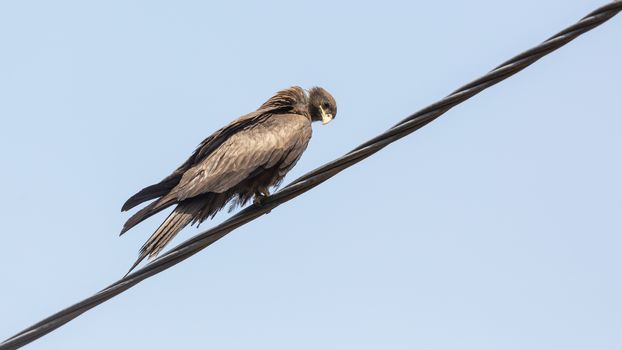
317, 176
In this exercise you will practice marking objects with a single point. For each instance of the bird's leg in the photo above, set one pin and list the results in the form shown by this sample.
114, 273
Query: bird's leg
264, 191
261, 194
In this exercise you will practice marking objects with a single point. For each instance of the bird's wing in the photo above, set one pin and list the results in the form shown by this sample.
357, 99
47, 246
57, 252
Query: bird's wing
205, 148
280, 139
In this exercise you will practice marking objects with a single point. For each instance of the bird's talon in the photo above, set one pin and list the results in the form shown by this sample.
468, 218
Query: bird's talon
258, 200
264, 192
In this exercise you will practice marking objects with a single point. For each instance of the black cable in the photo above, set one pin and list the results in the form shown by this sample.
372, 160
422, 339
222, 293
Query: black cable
317, 176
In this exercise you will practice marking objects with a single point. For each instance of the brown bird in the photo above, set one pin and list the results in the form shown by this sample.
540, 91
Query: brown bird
241, 161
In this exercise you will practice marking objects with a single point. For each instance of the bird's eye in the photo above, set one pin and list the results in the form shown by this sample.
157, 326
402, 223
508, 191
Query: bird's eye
325, 104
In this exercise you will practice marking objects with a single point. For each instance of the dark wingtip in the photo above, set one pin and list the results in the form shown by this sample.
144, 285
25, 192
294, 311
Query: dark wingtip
145, 213
123, 230
152, 192
131, 202
126, 206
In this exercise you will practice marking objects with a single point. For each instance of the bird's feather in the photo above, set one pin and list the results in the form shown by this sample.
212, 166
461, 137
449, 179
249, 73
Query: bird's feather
258, 147
205, 148
177, 220
236, 162
146, 212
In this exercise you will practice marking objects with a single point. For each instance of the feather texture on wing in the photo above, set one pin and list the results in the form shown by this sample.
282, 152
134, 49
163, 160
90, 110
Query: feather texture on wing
238, 162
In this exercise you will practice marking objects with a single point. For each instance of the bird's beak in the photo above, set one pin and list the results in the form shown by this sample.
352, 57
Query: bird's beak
326, 117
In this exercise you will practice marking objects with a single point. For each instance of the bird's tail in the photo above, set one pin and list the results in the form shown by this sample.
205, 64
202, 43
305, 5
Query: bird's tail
175, 222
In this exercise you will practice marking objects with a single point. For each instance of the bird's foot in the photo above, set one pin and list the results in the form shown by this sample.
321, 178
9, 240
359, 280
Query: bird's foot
264, 191
258, 200
260, 196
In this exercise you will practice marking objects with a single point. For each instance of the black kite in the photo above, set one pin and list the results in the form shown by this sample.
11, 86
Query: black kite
238, 162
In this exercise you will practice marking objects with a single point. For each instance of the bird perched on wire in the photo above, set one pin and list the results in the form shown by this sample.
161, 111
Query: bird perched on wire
237, 163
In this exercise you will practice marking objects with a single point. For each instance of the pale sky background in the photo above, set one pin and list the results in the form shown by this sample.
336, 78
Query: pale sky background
499, 226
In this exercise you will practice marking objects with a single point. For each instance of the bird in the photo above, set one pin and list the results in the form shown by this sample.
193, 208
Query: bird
237, 163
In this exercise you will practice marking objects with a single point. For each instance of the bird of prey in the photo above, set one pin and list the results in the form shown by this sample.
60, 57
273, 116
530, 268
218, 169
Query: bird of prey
237, 163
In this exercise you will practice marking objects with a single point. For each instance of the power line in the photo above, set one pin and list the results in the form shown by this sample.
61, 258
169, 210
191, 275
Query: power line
317, 176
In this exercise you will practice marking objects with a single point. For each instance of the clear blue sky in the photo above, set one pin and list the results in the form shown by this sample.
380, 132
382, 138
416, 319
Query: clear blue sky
496, 227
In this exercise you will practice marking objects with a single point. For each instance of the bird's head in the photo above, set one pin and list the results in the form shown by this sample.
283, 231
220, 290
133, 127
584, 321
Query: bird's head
322, 106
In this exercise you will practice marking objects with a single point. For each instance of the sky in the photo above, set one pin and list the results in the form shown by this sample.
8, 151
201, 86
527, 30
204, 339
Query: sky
497, 226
